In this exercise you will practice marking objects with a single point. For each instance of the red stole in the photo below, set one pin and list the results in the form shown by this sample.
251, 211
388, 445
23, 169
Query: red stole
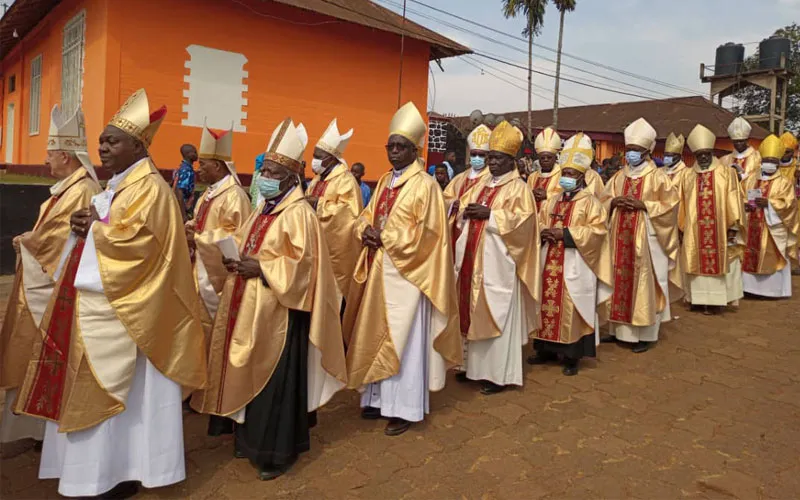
455, 233
476, 227
382, 211
253, 242
202, 214
756, 223
625, 255
51, 369
541, 183
319, 189
707, 224
553, 276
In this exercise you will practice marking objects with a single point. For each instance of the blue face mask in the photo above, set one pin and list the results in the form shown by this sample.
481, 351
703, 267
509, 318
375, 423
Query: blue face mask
269, 188
634, 158
568, 183
668, 159
477, 162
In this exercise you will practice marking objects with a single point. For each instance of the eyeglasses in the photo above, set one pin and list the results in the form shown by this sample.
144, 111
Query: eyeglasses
398, 146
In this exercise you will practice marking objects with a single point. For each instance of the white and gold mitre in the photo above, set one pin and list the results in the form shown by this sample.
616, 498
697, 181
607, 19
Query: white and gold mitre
701, 138
478, 139
577, 153
67, 133
548, 141
674, 143
506, 138
287, 144
334, 143
409, 123
739, 129
640, 133
135, 119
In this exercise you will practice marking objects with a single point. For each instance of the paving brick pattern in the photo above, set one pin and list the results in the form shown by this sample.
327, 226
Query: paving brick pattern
711, 412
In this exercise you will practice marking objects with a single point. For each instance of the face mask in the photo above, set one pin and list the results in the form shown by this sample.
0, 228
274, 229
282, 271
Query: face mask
477, 162
316, 166
269, 188
769, 168
634, 158
568, 183
668, 159
786, 163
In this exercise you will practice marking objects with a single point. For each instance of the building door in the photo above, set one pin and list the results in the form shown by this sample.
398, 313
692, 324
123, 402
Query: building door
10, 133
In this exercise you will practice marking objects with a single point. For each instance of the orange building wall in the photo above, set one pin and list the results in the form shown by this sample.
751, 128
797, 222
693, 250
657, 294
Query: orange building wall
310, 72
46, 40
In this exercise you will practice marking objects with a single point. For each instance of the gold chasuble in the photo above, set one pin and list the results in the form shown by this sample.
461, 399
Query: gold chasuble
416, 256
37, 262
485, 286
789, 170
747, 163
639, 293
566, 319
251, 324
222, 211
337, 209
772, 238
676, 172
547, 181
477, 141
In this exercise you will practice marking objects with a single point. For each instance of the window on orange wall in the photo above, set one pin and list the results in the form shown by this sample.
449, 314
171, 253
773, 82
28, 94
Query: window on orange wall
72, 63
12, 83
35, 104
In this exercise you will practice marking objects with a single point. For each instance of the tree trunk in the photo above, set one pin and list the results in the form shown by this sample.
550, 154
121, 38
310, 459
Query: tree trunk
530, 78
558, 71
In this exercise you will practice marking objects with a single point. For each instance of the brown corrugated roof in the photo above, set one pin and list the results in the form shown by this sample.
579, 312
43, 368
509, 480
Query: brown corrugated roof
24, 15
679, 115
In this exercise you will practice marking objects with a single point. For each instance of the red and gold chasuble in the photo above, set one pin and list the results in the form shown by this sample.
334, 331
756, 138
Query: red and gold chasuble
625, 255
468, 184
553, 277
202, 214
707, 224
251, 246
47, 390
756, 224
476, 227
319, 189
382, 211
541, 183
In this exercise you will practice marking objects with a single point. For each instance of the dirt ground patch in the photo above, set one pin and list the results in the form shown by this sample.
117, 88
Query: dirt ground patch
711, 412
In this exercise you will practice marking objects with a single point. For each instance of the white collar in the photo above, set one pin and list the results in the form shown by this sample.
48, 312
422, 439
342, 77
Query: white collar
398, 173
497, 180
117, 179
212, 188
474, 173
745, 153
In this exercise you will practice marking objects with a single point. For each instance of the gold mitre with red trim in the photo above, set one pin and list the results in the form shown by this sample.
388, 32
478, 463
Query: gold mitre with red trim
478, 139
577, 153
640, 133
287, 145
409, 123
547, 141
135, 119
674, 143
701, 138
771, 147
334, 143
506, 138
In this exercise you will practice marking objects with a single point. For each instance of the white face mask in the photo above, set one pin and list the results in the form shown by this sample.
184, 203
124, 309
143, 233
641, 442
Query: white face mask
769, 168
316, 166
786, 163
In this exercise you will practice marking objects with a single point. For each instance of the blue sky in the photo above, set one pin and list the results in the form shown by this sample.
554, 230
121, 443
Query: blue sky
664, 40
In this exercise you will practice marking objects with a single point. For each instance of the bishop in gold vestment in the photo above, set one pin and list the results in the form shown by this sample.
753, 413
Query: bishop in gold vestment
710, 219
401, 319
674, 166
788, 166
772, 227
336, 197
223, 208
576, 264
643, 207
38, 258
497, 267
122, 334
276, 349
746, 159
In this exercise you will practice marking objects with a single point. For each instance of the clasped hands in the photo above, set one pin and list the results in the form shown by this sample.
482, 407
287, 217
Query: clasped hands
82, 220
628, 203
552, 235
247, 268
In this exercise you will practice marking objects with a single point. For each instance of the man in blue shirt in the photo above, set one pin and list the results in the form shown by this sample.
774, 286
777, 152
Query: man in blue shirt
358, 173
183, 178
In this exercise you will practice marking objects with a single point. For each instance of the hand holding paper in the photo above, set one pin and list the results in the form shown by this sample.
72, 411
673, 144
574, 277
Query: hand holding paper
228, 248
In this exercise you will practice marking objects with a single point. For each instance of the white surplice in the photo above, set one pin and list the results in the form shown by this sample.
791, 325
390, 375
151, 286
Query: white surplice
143, 443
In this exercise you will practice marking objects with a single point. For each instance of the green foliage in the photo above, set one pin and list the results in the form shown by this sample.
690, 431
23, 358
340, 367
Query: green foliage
531, 10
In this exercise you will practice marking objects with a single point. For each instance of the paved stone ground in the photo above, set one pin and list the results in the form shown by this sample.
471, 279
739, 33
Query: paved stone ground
712, 412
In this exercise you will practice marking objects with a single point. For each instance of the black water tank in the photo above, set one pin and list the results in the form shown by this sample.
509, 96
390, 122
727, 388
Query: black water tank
729, 59
770, 51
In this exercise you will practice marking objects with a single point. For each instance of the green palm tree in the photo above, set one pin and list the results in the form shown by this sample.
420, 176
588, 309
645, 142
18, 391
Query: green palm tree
533, 11
563, 7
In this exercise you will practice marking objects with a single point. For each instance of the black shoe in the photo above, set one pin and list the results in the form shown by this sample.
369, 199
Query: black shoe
37, 446
608, 339
126, 489
238, 454
490, 388
312, 419
270, 473
570, 368
370, 413
218, 426
462, 377
396, 426
542, 358
641, 347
